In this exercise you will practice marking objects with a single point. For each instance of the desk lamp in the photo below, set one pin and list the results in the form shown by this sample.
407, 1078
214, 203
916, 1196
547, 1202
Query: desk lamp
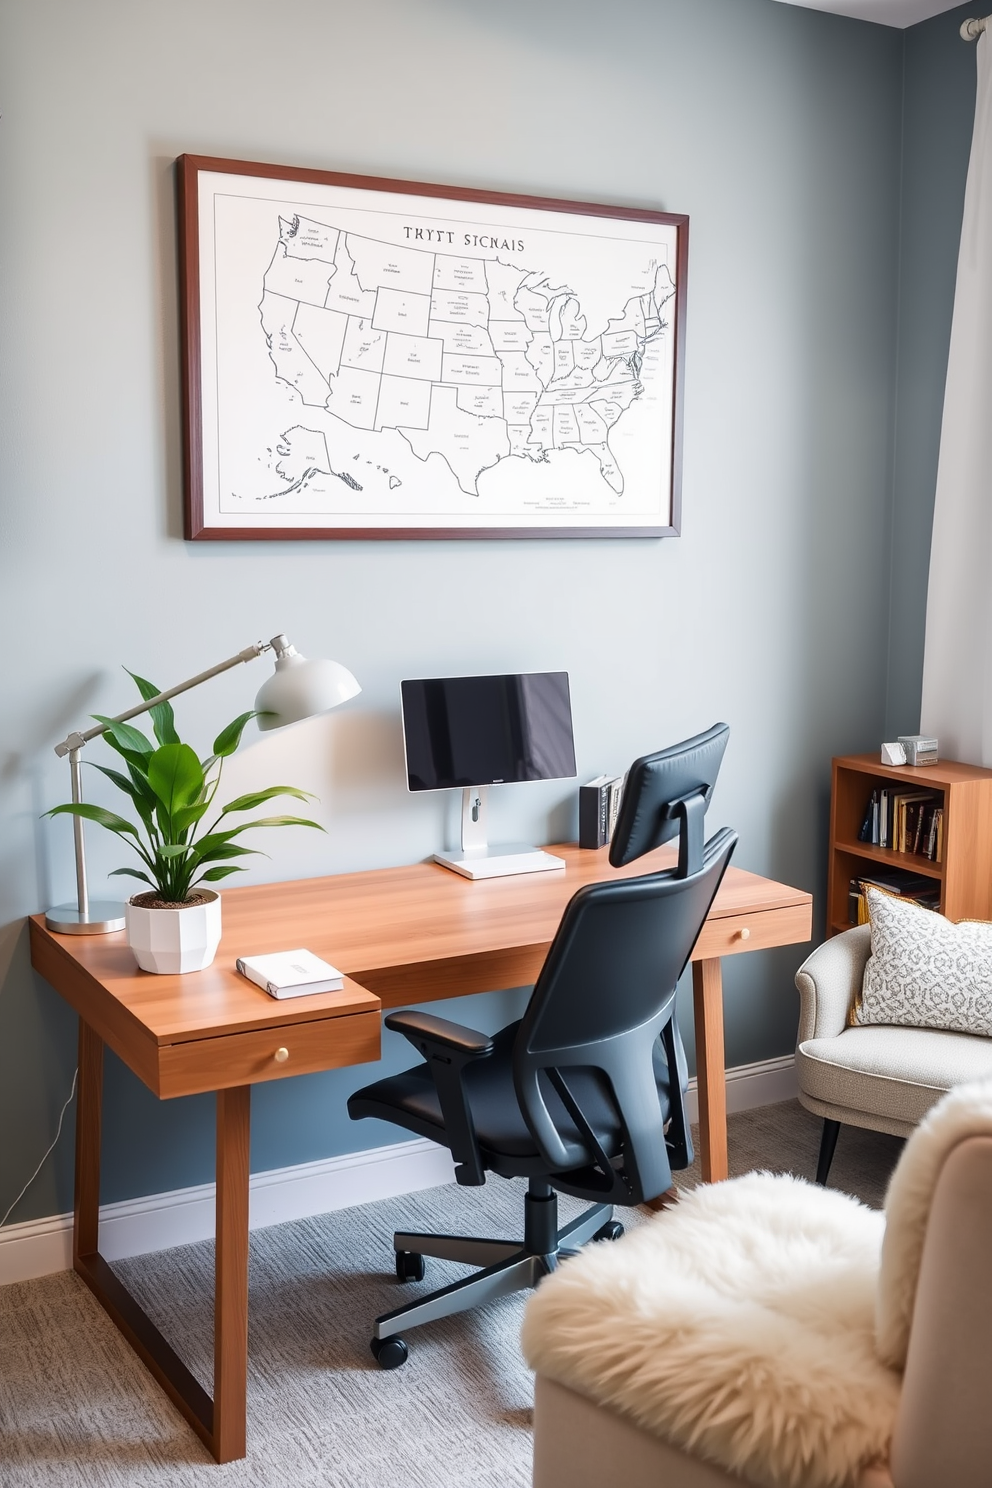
297, 689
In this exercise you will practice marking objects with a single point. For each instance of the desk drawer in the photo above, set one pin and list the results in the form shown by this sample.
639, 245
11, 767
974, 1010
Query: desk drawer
751, 932
268, 1054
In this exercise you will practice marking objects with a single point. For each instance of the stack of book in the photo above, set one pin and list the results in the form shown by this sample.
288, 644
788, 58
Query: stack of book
922, 891
906, 821
599, 806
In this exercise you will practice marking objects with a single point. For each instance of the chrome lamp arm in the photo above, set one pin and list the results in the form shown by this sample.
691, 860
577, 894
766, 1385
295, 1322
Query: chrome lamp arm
75, 741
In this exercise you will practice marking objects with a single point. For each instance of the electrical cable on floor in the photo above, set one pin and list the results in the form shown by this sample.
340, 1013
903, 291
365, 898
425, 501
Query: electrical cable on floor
48, 1154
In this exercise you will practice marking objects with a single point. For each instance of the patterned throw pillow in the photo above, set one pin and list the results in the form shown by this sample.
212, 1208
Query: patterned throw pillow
924, 970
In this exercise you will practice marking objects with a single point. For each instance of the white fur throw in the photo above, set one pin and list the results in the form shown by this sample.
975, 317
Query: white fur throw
966, 1111
739, 1325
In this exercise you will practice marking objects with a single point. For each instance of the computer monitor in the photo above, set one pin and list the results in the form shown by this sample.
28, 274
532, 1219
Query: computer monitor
474, 732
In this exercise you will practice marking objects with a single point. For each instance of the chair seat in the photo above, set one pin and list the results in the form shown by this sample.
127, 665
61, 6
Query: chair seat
410, 1099
894, 1072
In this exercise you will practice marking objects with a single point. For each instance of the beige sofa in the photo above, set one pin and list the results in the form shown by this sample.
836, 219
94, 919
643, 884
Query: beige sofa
941, 1432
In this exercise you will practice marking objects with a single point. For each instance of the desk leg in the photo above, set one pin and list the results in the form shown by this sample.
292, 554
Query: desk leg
707, 1007
89, 1103
231, 1276
219, 1422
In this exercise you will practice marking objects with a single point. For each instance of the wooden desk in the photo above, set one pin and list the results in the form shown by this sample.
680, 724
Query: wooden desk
402, 936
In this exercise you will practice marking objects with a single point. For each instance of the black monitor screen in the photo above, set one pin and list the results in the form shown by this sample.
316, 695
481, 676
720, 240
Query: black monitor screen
461, 731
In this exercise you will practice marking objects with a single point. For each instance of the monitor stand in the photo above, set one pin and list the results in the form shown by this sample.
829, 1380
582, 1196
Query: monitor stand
478, 860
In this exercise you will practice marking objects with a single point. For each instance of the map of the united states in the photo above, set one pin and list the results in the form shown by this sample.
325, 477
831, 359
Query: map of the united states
474, 358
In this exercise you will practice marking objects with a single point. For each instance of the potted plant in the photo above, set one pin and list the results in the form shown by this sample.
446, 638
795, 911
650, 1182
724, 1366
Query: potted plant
175, 925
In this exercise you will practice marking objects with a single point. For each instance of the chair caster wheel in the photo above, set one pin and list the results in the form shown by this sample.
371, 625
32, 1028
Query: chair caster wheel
611, 1230
389, 1353
409, 1266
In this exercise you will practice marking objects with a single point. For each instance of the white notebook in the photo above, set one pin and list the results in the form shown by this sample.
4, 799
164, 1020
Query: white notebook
291, 973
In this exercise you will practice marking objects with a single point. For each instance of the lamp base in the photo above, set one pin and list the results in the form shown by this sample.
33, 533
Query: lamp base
103, 916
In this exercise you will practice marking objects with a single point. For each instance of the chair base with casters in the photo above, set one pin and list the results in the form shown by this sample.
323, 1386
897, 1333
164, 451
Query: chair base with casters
506, 1266
505, 1146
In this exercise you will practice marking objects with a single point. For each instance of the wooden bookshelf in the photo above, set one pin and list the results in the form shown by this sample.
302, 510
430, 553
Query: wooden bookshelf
965, 871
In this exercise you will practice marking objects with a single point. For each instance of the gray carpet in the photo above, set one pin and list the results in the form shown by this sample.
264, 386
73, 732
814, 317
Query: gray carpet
76, 1407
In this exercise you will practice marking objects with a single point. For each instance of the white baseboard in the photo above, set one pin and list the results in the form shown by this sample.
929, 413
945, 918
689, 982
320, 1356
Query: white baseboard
159, 1221
764, 1083
139, 1226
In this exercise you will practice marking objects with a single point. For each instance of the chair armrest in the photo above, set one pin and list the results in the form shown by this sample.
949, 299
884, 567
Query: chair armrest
829, 980
427, 1033
448, 1048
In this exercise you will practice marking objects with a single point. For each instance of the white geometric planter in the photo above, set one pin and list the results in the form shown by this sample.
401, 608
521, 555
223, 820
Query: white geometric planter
174, 940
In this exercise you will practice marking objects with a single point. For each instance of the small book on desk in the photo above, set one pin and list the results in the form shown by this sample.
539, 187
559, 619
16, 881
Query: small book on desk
291, 973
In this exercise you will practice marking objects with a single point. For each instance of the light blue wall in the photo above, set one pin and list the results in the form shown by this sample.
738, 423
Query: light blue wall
776, 129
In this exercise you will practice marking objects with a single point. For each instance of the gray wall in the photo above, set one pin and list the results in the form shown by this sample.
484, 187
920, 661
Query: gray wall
778, 130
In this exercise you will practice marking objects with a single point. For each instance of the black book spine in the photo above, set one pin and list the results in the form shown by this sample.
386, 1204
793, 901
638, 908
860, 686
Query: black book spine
592, 816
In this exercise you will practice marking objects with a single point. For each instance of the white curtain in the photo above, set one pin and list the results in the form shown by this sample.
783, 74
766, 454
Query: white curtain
957, 662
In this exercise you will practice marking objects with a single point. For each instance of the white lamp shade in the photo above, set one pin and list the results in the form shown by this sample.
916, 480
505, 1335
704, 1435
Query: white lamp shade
300, 688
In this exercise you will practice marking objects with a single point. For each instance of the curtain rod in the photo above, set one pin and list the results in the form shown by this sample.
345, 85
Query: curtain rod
972, 30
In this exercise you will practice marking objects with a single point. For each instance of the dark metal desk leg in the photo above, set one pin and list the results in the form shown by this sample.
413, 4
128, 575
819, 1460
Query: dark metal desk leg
231, 1279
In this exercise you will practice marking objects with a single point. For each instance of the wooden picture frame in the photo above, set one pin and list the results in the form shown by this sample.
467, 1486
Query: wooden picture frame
370, 358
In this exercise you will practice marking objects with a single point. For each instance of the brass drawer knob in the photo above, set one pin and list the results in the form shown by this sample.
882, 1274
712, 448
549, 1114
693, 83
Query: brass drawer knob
744, 933
281, 1055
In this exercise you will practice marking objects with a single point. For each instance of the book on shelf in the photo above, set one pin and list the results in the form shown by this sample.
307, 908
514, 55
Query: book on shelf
905, 821
291, 973
599, 807
914, 886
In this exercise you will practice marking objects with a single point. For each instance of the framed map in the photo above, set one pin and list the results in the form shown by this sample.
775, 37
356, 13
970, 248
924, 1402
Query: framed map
369, 358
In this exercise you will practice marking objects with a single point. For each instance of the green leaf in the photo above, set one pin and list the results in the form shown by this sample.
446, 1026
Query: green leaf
215, 839
121, 781
228, 739
280, 821
162, 716
123, 737
138, 794
175, 776
132, 873
86, 809
187, 816
218, 873
229, 850
256, 798
173, 850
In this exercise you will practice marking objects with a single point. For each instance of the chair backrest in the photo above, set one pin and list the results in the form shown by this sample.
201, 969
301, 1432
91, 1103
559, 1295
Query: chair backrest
605, 994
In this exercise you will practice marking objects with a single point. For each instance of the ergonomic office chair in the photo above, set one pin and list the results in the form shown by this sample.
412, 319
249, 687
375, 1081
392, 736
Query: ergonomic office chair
584, 1094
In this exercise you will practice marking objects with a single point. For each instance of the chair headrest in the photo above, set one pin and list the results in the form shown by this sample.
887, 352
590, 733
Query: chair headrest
657, 785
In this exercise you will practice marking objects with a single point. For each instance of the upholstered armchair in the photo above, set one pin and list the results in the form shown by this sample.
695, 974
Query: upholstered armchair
882, 1077
770, 1332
